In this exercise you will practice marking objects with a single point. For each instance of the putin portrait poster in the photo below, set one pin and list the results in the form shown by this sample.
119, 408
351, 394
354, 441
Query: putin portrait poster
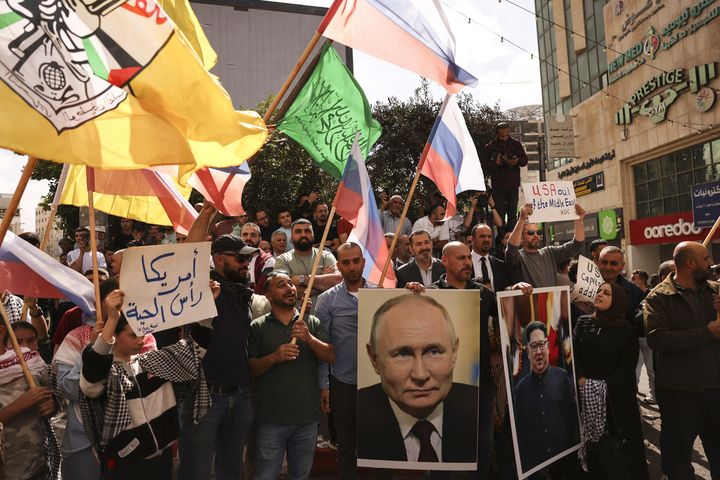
418, 374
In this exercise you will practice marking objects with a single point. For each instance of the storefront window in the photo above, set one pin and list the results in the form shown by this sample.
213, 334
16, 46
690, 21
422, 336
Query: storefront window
662, 185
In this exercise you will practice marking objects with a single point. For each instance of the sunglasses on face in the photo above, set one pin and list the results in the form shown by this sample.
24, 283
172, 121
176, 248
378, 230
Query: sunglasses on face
534, 232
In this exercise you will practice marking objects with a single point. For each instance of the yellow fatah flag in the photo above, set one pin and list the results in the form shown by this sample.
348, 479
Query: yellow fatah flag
112, 84
187, 22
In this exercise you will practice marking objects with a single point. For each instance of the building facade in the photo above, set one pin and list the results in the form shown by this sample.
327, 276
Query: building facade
42, 217
258, 43
15, 223
639, 80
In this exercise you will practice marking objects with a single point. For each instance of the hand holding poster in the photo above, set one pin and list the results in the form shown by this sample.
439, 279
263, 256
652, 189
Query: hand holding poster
589, 280
166, 286
551, 201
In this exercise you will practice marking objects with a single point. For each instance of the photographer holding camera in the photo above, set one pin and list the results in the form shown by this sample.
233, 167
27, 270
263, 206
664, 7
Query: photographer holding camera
501, 161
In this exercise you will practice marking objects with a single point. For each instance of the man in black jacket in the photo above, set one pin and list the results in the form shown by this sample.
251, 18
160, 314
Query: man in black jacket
423, 268
488, 270
501, 160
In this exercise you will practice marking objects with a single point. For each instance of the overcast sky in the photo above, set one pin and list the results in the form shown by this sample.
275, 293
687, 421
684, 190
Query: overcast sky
506, 74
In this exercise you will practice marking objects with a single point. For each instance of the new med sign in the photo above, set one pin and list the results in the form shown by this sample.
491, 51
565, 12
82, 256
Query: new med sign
672, 228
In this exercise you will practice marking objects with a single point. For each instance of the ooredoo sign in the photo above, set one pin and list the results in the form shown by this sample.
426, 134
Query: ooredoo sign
673, 228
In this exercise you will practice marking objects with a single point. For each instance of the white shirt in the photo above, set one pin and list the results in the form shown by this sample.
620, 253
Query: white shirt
426, 275
412, 443
73, 255
477, 265
439, 232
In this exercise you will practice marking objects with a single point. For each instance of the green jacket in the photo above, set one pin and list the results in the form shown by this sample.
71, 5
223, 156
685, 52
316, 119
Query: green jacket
687, 354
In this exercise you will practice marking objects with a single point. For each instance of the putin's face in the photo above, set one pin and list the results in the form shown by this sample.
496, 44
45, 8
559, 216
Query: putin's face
414, 356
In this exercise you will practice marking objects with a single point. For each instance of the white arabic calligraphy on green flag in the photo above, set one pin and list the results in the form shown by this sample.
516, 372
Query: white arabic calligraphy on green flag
327, 112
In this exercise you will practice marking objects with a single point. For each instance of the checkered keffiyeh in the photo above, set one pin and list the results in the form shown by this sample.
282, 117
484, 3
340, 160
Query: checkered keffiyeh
13, 306
180, 363
593, 398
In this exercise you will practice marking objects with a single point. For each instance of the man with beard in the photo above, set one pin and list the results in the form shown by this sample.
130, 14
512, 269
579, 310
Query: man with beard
684, 333
390, 214
546, 414
299, 262
458, 264
486, 269
261, 262
538, 266
337, 309
219, 439
501, 160
319, 221
286, 374
423, 268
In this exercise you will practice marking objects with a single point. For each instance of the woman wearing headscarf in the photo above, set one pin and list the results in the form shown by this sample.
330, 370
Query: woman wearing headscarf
606, 352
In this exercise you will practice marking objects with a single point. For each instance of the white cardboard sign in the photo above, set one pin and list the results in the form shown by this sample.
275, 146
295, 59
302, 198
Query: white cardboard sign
589, 280
551, 201
166, 286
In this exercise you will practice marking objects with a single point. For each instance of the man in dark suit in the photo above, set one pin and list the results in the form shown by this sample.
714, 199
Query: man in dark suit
423, 268
416, 413
494, 274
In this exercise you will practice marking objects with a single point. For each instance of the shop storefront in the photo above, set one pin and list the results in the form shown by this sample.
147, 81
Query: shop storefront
652, 240
606, 224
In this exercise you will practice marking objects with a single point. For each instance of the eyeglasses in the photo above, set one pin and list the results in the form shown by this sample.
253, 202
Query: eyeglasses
238, 256
537, 346
534, 232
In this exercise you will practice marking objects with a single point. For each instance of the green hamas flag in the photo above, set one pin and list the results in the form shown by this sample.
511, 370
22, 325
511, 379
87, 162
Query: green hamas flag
327, 112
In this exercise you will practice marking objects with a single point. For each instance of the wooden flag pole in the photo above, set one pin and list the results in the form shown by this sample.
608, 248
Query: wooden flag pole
90, 174
16, 346
710, 235
15, 200
316, 264
403, 215
293, 73
54, 207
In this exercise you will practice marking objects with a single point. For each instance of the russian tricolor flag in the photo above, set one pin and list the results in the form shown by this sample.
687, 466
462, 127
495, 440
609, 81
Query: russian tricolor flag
355, 202
27, 270
413, 34
452, 161
223, 187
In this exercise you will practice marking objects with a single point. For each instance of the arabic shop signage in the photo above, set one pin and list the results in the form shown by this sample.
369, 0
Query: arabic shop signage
572, 170
635, 19
706, 204
588, 185
686, 23
669, 85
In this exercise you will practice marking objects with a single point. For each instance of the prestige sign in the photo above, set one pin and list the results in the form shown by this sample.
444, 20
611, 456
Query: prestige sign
673, 228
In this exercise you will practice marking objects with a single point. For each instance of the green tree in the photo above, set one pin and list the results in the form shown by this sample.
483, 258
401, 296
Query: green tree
283, 171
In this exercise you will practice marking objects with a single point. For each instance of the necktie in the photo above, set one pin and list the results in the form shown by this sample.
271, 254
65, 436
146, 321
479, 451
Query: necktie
422, 431
485, 273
